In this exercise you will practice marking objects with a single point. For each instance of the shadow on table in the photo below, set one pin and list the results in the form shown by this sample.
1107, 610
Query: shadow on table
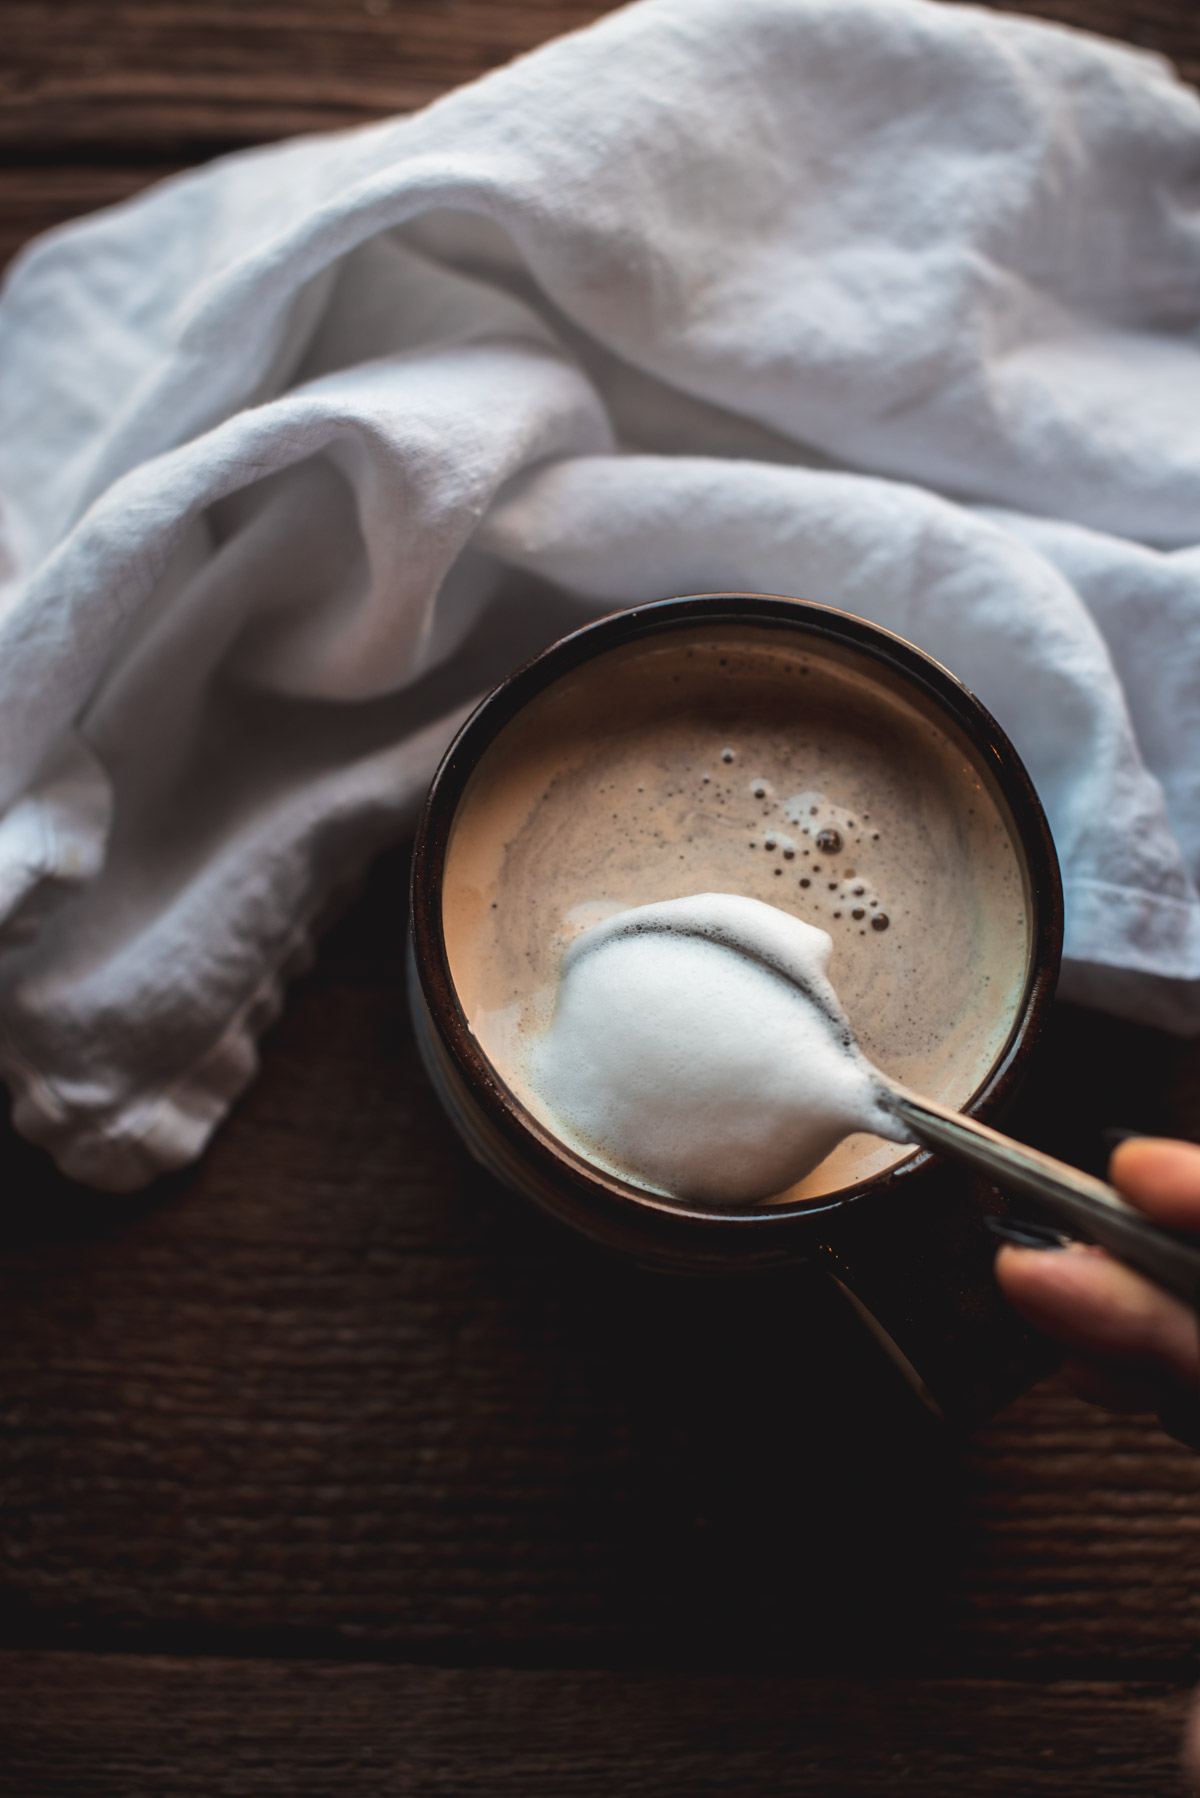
335, 1393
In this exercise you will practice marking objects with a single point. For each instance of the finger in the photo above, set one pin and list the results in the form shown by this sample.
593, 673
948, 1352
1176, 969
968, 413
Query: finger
1095, 1305
1160, 1177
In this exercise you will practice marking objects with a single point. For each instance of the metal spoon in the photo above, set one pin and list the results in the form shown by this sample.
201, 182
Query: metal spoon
1088, 1207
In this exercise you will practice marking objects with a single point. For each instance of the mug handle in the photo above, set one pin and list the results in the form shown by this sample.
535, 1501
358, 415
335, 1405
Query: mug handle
915, 1261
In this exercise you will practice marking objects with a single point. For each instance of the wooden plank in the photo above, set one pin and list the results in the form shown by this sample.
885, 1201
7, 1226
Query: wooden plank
206, 73
140, 90
336, 1387
1080, 1536
182, 78
85, 1726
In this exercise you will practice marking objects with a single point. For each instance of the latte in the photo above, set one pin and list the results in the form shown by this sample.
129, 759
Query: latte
744, 759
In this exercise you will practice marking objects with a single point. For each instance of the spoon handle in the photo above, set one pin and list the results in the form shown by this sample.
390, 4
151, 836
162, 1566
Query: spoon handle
1084, 1205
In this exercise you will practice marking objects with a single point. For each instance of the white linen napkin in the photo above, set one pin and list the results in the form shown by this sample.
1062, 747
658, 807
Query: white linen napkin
882, 303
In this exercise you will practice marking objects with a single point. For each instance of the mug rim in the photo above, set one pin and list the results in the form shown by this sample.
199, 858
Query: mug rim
557, 1162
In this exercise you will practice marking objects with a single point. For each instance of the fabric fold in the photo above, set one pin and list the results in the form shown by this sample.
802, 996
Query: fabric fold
883, 303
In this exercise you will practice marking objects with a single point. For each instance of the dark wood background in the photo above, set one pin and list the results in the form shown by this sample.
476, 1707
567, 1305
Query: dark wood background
328, 1468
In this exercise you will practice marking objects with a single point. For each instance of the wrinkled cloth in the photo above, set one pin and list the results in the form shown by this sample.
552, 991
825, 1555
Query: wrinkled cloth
876, 302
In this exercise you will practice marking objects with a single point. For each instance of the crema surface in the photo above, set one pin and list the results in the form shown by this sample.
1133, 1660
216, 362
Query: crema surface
746, 760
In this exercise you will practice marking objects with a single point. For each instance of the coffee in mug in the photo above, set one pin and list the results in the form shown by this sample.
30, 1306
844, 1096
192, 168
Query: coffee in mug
729, 760
797, 755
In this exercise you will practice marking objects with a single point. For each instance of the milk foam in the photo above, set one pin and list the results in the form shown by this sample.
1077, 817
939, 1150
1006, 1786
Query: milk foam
731, 759
697, 1046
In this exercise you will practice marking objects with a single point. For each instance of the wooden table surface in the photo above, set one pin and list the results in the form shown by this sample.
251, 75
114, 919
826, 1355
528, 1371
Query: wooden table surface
329, 1468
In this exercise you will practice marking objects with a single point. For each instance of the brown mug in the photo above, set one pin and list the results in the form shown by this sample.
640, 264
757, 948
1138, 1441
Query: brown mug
909, 1247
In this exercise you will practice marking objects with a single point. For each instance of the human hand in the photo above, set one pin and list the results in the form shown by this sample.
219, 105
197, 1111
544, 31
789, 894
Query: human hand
1134, 1347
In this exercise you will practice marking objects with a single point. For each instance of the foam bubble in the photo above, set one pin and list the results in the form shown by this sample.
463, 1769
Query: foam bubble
698, 1046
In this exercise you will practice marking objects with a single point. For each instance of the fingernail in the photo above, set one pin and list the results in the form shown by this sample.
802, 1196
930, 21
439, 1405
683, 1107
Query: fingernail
1115, 1134
1023, 1234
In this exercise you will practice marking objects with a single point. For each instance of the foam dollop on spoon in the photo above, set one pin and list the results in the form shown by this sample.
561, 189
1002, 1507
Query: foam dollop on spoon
699, 1045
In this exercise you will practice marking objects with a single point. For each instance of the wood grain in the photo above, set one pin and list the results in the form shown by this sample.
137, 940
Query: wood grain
335, 1391
392, 1488
97, 101
207, 74
152, 1728
181, 79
